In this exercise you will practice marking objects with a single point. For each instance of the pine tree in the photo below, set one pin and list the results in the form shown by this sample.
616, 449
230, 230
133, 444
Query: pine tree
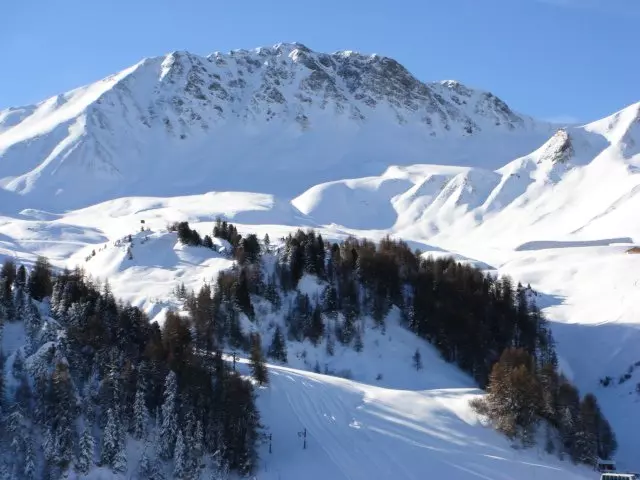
61, 431
84, 460
242, 300
330, 344
607, 442
197, 447
514, 396
148, 468
120, 460
358, 345
272, 295
30, 471
33, 325
568, 419
316, 327
21, 277
40, 284
417, 360
17, 432
250, 247
599, 440
207, 242
330, 301
140, 412
169, 426
278, 349
258, 368
180, 469
110, 440
144, 466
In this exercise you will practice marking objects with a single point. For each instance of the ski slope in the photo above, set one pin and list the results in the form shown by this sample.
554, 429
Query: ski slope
359, 431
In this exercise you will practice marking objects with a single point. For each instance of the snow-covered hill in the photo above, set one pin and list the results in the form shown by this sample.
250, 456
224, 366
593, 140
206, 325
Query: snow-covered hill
284, 137
183, 124
361, 431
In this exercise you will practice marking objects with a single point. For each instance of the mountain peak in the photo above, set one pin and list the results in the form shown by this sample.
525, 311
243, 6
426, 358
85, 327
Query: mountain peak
176, 107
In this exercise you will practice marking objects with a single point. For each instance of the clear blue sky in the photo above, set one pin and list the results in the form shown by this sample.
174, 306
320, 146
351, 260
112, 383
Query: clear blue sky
547, 58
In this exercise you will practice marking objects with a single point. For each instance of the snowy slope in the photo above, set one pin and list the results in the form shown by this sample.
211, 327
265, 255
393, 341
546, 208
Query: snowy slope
583, 181
283, 137
183, 124
387, 420
357, 431
361, 431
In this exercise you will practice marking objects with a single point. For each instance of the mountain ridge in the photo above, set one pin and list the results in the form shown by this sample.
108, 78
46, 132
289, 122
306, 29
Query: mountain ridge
201, 111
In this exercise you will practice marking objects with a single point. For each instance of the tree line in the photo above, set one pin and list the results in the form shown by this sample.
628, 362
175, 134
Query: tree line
96, 374
521, 396
474, 319
242, 248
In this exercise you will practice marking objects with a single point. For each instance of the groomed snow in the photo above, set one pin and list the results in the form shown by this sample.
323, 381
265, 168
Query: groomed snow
359, 431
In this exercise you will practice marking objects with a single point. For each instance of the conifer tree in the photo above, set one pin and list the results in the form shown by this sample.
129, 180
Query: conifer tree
316, 327
272, 295
169, 426
358, 345
197, 447
33, 325
21, 277
110, 440
84, 460
120, 459
144, 465
180, 460
61, 428
258, 367
417, 360
330, 344
330, 301
140, 412
599, 438
278, 349
148, 468
30, 470
514, 396
40, 283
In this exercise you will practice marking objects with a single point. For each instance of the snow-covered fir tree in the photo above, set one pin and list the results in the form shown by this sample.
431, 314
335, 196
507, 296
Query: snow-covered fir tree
110, 441
169, 425
180, 459
140, 411
84, 460
30, 470
278, 348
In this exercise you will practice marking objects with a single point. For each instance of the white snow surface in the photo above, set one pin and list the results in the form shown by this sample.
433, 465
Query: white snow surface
284, 137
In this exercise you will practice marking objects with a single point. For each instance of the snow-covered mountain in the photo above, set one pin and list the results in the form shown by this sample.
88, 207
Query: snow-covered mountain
182, 123
582, 180
350, 145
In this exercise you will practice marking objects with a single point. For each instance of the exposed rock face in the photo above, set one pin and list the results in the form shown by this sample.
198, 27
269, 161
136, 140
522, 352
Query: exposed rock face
291, 79
339, 114
558, 149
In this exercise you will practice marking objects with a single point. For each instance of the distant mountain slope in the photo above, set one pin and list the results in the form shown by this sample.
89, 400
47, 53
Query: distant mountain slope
583, 181
275, 120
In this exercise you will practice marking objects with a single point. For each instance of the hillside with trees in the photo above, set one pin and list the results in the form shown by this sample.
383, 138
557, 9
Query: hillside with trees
489, 327
96, 385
